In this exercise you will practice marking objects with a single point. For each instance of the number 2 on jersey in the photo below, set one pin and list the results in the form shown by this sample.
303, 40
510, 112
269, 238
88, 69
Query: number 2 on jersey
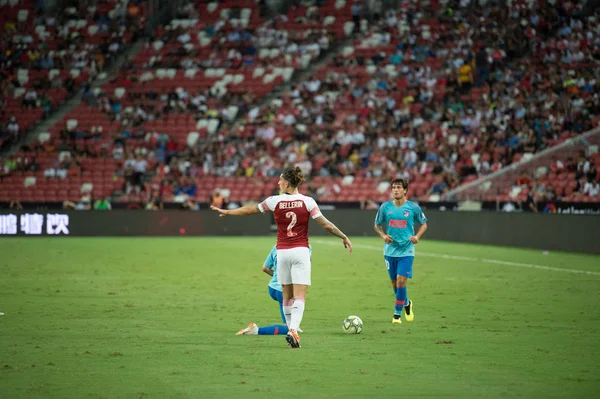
291, 215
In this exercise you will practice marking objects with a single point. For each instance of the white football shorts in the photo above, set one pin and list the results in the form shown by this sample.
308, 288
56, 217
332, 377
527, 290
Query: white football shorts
293, 266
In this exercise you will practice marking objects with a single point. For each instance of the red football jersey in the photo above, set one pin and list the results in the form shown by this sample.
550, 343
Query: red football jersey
292, 213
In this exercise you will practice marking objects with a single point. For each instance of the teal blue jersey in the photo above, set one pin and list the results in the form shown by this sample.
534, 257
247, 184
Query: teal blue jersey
399, 223
271, 263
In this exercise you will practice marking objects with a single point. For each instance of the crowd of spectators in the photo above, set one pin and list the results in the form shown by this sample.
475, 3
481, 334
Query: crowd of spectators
436, 91
427, 90
574, 178
130, 110
47, 55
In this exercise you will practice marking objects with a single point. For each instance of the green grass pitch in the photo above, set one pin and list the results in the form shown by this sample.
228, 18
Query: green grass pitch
156, 318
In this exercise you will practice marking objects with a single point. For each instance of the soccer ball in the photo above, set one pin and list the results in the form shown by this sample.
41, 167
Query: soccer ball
352, 325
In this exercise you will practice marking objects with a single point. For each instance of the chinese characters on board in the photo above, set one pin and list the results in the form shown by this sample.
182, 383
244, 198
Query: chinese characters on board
34, 224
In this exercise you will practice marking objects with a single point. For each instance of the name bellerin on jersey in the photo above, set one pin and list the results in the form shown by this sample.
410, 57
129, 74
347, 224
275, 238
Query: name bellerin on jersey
289, 205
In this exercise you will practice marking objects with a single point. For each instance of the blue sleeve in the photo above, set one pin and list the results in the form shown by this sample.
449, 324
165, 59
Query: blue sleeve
380, 218
419, 216
270, 261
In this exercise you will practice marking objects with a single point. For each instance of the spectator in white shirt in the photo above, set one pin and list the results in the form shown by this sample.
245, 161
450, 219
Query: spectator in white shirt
13, 126
130, 162
289, 119
118, 152
30, 99
266, 133
140, 165
591, 188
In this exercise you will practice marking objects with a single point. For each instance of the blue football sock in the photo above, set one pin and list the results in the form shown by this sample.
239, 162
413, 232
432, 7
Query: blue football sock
273, 330
400, 300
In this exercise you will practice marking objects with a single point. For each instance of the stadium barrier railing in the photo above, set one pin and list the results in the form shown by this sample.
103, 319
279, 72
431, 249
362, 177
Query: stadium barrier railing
535, 165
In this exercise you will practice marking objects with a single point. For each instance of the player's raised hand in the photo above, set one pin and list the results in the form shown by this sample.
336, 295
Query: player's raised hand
347, 244
414, 239
222, 212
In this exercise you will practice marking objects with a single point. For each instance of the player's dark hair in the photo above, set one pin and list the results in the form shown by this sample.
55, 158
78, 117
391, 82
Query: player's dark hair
293, 176
402, 182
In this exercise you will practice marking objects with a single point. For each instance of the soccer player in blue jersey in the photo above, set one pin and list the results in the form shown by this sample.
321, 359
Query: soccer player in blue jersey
275, 292
395, 223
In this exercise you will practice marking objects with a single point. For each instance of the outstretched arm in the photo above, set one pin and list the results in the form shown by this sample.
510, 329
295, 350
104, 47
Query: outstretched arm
242, 211
332, 229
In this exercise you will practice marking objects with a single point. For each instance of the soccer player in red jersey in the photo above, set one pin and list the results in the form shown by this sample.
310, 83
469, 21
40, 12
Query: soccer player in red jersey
292, 212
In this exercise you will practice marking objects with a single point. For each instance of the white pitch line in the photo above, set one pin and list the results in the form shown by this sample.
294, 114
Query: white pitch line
472, 259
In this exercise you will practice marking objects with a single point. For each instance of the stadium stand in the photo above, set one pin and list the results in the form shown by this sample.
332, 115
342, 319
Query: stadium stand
46, 57
435, 92
565, 172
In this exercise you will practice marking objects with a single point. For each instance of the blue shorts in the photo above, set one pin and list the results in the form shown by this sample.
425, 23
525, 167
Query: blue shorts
278, 296
401, 266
